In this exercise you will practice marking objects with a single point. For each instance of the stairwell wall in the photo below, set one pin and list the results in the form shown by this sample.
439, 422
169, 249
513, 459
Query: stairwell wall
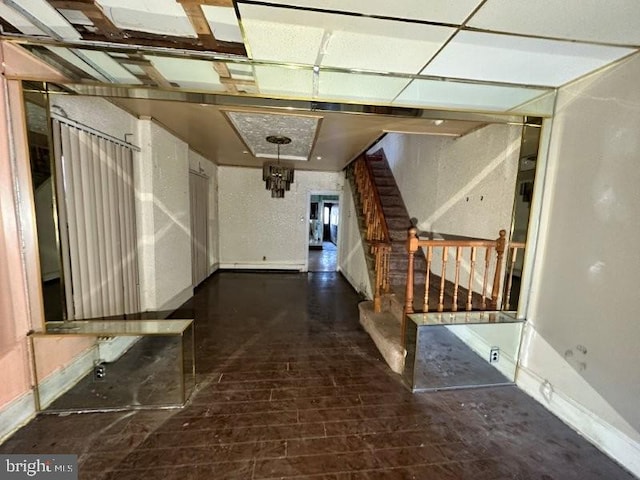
460, 186
353, 264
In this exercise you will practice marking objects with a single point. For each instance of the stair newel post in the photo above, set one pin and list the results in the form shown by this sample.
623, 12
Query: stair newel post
412, 248
501, 244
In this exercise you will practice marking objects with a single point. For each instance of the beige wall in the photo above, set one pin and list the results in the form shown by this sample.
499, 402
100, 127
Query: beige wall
257, 231
461, 186
17, 314
582, 345
353, 264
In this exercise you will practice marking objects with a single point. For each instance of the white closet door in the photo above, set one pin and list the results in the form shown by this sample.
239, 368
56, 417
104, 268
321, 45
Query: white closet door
199, 200
97, 223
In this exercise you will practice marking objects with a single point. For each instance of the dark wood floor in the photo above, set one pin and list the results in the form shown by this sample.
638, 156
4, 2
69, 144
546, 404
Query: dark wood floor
292, 387
323, 259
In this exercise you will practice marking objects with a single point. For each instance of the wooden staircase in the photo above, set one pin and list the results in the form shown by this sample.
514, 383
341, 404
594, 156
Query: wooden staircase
396, 253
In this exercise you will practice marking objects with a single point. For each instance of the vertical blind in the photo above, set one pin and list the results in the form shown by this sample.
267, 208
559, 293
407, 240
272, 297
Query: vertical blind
199, 200
94, 182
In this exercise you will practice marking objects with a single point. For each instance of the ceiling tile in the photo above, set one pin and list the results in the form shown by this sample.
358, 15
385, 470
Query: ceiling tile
254, 128
613, 21
505, 58
359, 88
109, 66
223, 23
284, 82
382, 45
280, 35
444, 11
187, 73
465, 96
49, 16
73, 59
18, 21
344, 41
165, 17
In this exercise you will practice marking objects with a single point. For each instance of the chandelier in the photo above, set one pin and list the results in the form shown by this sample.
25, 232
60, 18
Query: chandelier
277, 178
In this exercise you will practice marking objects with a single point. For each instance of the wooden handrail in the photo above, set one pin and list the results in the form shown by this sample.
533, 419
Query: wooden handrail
465, 252
377, 232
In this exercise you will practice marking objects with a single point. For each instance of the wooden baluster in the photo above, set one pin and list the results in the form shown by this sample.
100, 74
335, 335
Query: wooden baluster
412, 247
472, 262
427, 275
507, 301
501, 243
377, 297
485, 280
454, 307
445, 258
387, 254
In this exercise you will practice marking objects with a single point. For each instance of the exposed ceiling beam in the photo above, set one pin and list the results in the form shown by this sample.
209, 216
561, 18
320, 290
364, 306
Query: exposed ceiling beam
93, 12
199, 22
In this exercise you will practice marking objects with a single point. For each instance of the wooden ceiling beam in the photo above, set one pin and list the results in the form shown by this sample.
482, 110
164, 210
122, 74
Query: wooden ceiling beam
93, 12
199, 22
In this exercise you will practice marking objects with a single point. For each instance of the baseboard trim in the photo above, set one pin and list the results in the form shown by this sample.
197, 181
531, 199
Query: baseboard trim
214, 268
601, 434
298, 267
16, 414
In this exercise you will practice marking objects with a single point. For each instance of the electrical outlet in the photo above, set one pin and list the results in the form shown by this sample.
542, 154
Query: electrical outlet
494, 355
99, 371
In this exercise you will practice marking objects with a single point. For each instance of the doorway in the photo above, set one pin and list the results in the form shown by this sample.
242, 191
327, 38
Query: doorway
324, 219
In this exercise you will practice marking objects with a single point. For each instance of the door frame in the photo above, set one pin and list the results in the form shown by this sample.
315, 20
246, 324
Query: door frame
334, 193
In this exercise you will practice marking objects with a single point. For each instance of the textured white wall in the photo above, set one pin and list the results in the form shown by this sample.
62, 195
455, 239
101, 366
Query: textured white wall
582, 341
200, 164
352, 256
98, 114
257, 231
461, 186
163, 218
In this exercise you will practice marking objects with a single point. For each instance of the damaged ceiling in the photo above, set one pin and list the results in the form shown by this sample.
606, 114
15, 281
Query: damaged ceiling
503, 57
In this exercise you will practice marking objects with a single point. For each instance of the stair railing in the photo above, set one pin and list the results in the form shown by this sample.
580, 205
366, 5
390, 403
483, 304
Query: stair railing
377, 233
465, 254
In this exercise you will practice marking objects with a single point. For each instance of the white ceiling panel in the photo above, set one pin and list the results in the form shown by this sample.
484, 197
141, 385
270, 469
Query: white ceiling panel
348, 87
223, 23
280, 35
343, 41
108, 65
165, 17
194, 74
284, 82
443, 11
74, 60
613, 21
465, 96
382, 45
520, 60
18, 21
50, 17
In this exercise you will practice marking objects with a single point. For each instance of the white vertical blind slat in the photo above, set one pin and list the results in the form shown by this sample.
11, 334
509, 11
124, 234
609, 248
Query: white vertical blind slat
99, 243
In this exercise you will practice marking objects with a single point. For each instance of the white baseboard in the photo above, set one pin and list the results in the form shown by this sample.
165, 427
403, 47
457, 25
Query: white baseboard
603, 435
298, 267
64, 379
16, 414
